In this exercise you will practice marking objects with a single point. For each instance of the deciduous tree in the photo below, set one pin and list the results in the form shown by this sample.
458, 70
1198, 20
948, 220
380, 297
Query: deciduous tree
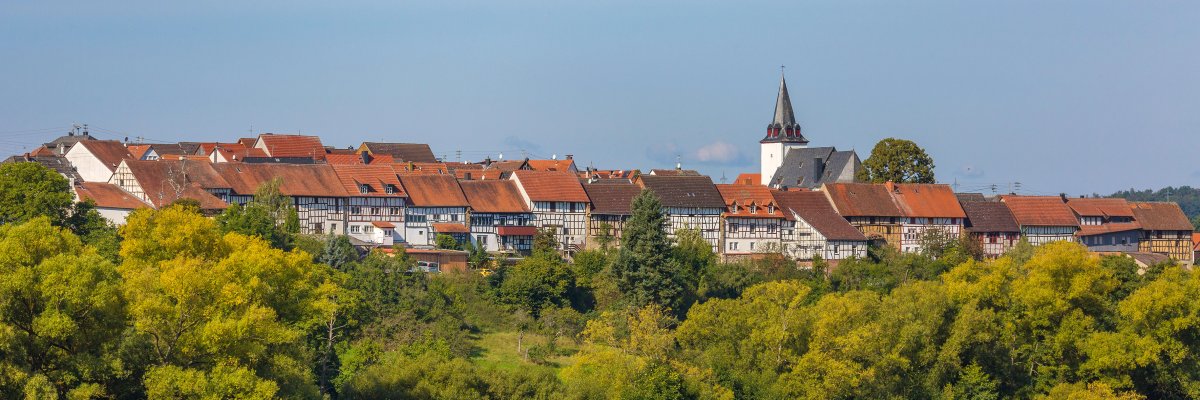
899, 161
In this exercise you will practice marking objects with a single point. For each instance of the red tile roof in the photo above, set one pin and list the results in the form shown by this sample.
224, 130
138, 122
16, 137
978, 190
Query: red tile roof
478, 174
1040, 210
551, 165
378, 178
420, 168
1091, 230
450, 227
550, 186
1196, 240
748, 179
743, 196
107, 195
494, 196
109, 152
919, 200
383, 224
292, 146
356, 158
1095, 207
989, 216
433, 190
310, 180
516, 230
814, 208
612, 198
861, 200
1160, 216
165, 181
138, 150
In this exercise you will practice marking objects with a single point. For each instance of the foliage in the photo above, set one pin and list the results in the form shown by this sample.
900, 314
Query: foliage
444, 241
29, 190
269, 216
899, 161
644, 270
1187, 197
338, 252
535, 283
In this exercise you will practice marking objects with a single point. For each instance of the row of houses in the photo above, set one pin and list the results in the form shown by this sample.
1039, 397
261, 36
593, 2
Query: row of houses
381, 194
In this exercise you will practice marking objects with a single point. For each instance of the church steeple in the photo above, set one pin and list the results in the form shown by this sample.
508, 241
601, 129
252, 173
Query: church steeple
783, 127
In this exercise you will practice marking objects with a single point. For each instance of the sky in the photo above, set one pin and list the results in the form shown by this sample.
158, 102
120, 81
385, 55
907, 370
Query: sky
1078, 97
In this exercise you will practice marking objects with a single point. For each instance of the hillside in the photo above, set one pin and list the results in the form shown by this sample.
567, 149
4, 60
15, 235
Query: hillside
1187, 197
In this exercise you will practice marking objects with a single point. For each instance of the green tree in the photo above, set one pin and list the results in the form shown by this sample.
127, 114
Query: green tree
444, 241
644, 270
338, 252
536, 283
899, 161
29, 190
270, 216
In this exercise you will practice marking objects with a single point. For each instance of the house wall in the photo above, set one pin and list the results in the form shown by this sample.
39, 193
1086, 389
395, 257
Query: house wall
1175, 244
995, 244
418, 220
749, 235
115, 215
1117, 241
596, 228
887, 228
568, 220
707, 220
1039, 235
914, 232
484, 226
90, 168
362, 211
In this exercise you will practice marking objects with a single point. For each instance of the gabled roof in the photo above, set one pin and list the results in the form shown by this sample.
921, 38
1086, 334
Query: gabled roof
748, 179
494, 196
310, 180
1040, 210
450, 227
420, 168
684, 190
923, 200
1104, 229
674, 172
172, 148
550, 186
109, 152
415, 152
969, 197
552, 165
1100, 207
376, 177
107, 195
1160, 216
743, 196
427, 190
138, 151
357, 158
54, 162
810, 167
508, 166
861, 200
292, 146
814, 208
165, 181
612, 198
1196, 241
989, 216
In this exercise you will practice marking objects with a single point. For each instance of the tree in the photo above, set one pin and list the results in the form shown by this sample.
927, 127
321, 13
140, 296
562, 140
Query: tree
899, 161
444, 241
644, 269
29, 190
536, 283
338, 252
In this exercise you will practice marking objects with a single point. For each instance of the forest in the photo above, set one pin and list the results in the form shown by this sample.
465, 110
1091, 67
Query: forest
179, 305
1188, 198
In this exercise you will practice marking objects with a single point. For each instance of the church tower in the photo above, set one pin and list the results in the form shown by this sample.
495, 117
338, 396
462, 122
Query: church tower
783, 134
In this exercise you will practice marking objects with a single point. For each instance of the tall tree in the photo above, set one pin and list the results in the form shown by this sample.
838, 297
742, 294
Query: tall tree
897, 160
338, 252
270, 216
644, 269
29, 190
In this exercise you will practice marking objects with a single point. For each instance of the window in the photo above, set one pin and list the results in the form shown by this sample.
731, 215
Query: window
454, 217
389, 189
364, 188
481, 239
368, 229
355, 229
417, 218
751, 246
374, 210
732, 228
356, 210
733, 245
552, 204
394, 210
770, 228
332, 228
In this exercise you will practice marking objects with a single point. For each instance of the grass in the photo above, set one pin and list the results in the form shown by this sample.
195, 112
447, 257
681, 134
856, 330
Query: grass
499, 350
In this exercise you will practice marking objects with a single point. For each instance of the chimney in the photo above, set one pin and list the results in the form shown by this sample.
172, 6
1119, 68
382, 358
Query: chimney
818, 170
466, 176
1063, 196
891, 186
570, 156
366, 157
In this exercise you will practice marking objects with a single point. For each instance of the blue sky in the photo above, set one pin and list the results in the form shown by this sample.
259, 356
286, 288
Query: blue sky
1062, 96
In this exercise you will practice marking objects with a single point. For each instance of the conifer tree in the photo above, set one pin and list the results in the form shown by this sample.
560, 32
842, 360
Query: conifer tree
644, 269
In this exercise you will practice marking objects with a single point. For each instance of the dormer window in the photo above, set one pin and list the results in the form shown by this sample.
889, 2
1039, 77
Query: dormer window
389, 189
753, 208
364, 188
770, 208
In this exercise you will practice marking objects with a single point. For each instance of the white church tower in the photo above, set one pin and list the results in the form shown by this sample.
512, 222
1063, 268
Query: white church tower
783, 134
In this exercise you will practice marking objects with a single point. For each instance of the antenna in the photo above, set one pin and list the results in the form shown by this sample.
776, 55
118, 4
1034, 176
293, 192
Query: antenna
678, 165
458, 155
1017, 186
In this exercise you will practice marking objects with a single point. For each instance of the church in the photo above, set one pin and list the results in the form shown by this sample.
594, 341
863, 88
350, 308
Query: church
788, 162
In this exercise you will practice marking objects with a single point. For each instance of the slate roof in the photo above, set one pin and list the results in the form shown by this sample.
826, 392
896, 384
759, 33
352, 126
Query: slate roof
861, 200
310, 180
172, 148
674, 172
684, 190
1100, 207
745, 195
612, 198
285, 146
989, 217
376, 177
1040, 210
430, 190
56, 163
811, 167
1160, 216
494, 196
970, 197
922, 200
814, 208
415, 152
107, 195
109, 152
551, 186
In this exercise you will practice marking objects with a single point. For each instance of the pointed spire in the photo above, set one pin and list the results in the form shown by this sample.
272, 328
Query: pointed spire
783, 127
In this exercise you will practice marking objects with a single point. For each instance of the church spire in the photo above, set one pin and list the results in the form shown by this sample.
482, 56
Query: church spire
783, 127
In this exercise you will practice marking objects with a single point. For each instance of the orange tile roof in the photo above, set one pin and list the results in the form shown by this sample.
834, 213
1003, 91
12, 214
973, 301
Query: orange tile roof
748, 179
551, 165
494, 196
419, 168
746, 195
1160, 216
165, 181
433, 190
138, 150
356, 158
478, 174
383, 224
310, 180
921, 200
1196, 240
1095, 207
1091, 230
450, 227
376, 177
1040, 210
292, 146
550, 186
107, 195
109, 152
861, 200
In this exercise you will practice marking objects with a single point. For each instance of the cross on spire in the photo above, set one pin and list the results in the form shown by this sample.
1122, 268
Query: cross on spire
783, 127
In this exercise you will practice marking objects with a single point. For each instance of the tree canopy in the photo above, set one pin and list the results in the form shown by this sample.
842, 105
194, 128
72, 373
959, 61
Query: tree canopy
899, 161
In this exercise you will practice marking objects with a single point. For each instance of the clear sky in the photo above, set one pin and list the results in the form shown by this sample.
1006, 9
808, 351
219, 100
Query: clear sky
1062, 96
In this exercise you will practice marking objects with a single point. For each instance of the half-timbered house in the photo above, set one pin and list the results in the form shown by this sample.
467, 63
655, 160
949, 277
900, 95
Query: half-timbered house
869, 208
1165, 230
992, 225
690, 202
559, 204
160, 183
753, 220
500, 218
374, 205
928, 211
1106, 224
612, 201
1043, 219
436, 206
316, 191
96, 160
813, 228
112, 202
291, 146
